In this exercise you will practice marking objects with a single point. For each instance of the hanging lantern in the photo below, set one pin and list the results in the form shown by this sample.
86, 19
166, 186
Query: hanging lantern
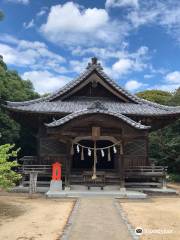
114, 150
89, 152
102, 153
78, 149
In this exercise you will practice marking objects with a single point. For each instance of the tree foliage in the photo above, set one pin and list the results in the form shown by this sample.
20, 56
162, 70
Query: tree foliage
158, 96
175, 100
12, 88
8, 177
165, 143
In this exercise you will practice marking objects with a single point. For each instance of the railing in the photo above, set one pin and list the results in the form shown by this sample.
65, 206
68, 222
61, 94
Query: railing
151, 171
28, 160
35, 168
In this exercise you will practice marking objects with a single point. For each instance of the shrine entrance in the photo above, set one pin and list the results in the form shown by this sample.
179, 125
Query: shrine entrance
85, 160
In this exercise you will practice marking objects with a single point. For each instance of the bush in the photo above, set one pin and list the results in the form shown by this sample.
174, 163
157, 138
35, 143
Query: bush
174, 177
8, 177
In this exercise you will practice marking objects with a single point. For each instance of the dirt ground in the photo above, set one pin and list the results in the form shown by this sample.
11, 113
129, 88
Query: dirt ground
22, 218
175, 186
158, 217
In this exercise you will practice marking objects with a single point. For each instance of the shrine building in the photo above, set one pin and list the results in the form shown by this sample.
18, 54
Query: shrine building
96, 129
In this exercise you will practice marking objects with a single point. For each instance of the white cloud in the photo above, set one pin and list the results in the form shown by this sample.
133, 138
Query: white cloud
6, 38
121, 3
28, 25
45, 81
102, 53
165, 14
143, 16
170, 83
33, 55
124, 60
42, 12
133, 85
71, 25
162, 13
170, 16
173, 77
25, 2
79, 66
122, 66
44, 68
69, 17
148, 76
18, 57
129, 62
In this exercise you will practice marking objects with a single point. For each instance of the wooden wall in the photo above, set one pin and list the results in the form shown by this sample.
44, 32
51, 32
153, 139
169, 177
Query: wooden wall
135, 153
51, 150
53, 146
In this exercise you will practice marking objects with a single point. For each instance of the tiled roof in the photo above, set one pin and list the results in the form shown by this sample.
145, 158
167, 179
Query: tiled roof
50, 105
73, 106
74, 115
73, 83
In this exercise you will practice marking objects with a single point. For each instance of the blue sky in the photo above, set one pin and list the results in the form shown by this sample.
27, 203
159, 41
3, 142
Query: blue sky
51, 42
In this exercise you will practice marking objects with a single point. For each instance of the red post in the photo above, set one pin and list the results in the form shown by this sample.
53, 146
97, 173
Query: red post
56, 171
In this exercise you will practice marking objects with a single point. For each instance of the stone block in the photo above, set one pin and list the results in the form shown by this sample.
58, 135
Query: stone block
55, 186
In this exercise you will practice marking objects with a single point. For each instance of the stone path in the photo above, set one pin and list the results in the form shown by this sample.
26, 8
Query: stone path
98, 219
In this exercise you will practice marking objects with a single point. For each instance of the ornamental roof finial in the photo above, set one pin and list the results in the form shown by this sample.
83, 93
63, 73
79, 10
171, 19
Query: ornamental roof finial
94, 62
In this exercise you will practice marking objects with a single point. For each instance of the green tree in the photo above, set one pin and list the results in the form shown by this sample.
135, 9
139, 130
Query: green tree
12, 88
8, 177
158, 96
165, 143
165, 147
175, 100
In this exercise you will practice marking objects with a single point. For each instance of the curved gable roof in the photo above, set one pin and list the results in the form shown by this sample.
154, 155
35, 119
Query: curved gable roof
89, 111
94, 66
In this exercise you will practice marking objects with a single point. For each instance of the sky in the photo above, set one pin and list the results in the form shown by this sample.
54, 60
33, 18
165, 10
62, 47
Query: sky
50, 42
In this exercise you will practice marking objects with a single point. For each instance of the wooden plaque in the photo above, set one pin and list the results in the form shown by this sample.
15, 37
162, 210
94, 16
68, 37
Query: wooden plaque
96, 132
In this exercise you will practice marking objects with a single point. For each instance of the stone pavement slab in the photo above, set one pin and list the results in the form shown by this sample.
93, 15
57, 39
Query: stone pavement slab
98, 218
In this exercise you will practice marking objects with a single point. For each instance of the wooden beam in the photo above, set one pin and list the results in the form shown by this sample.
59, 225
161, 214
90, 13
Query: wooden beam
121, 167
147, 151
68, 164
56, 132
122, 176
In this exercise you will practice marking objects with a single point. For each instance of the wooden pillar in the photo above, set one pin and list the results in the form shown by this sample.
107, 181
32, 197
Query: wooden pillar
32, 182
147, 150
68, 165
164, 182
22, 180
38, 140
121, 166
